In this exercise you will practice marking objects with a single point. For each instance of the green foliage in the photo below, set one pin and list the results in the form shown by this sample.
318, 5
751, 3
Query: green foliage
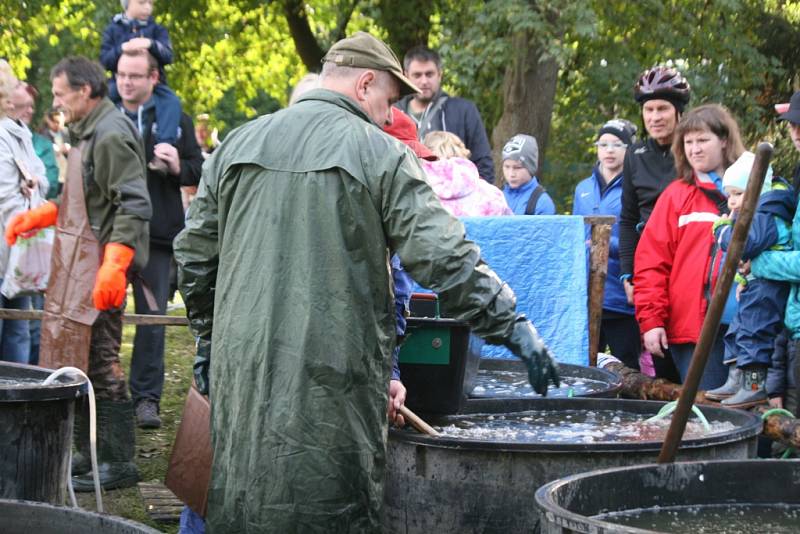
236, 59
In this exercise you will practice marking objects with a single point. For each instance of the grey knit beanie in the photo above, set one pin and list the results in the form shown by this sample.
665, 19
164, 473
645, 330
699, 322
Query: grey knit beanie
525, 149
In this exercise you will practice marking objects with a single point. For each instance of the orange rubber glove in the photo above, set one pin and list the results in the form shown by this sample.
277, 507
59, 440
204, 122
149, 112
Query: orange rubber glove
41, 217
112, 280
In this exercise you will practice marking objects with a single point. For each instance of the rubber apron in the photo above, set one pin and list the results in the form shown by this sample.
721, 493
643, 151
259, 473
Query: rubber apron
68, 308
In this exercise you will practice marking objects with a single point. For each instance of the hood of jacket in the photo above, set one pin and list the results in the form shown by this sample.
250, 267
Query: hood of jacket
452, 178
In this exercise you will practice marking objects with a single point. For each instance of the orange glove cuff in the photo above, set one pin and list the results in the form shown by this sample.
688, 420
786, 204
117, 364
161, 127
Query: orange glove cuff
41, 217
112, 281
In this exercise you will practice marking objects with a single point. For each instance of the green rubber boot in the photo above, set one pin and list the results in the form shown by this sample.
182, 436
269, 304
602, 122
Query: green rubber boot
116, 444
81, 457
753, 389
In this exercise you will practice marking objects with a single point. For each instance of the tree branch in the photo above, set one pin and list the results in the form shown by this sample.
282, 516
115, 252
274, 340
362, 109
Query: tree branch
306, 44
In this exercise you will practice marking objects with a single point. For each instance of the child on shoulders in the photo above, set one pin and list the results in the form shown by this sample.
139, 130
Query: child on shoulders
136, 29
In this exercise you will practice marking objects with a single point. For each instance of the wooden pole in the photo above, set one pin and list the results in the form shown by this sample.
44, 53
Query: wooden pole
129, 318
708, 333
598, 269
417, 422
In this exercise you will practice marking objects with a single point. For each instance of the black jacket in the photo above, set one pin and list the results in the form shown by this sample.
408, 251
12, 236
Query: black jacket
648, 169
460, 117
165, 193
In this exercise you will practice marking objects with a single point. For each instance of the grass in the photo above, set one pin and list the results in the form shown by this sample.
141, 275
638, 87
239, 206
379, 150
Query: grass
153, 447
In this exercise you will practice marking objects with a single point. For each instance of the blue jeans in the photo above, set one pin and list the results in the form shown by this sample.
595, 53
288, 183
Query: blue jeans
37, 302
15, 339
715, 372
191, 523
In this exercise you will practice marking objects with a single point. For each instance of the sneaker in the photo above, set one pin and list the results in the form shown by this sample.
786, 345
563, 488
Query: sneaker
147, 414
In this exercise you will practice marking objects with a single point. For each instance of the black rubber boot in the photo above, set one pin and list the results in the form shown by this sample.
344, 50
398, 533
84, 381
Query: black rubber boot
730, 387
116, 444
81, 459
753, 390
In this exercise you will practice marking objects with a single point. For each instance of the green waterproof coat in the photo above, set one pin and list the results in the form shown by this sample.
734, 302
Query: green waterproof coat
285, 258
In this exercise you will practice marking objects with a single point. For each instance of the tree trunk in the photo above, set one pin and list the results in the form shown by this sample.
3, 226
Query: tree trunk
529, 89
407, 23
306, 44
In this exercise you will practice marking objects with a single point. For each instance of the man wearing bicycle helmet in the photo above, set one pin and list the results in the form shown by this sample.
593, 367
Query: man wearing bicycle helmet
648, 169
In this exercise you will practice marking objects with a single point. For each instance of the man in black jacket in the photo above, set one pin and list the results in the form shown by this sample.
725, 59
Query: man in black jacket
137, 76
433, 109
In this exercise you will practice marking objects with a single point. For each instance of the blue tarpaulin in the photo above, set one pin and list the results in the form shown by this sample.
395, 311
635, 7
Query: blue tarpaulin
543, 259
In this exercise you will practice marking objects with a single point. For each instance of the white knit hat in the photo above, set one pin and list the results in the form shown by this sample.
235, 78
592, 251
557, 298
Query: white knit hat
737, 174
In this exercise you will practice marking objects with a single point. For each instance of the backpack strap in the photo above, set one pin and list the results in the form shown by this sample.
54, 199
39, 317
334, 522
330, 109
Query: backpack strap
534, 199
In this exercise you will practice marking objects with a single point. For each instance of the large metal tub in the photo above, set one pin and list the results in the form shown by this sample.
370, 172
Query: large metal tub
684, 488
20, 517
36, 435
446, 485
600, 382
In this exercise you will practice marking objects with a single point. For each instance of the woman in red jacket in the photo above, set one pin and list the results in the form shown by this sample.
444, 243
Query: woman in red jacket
673, 276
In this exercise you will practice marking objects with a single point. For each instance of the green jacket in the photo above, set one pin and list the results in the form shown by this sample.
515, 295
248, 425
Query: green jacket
285, 258
44, 151
115, 189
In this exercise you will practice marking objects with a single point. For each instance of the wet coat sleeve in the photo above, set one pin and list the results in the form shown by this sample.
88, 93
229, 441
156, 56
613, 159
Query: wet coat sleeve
654, 258
629, 217
120, 175
197, 255
432, 247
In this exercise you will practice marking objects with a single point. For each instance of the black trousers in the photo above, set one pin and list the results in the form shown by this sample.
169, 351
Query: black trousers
621, 334
147, 363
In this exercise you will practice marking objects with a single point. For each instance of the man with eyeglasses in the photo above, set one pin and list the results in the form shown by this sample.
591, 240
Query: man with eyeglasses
137, 77
601, 194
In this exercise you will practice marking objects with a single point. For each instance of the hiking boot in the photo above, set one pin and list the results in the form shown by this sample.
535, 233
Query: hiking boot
753, 389
730, 387
147, 414
116, 444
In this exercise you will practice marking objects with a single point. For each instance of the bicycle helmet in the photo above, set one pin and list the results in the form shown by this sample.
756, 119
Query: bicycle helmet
664, 83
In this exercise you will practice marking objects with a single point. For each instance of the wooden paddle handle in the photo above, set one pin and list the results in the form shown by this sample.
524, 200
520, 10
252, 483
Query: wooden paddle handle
416, 422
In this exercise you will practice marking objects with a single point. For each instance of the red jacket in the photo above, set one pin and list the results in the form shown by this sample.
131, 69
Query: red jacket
673, 259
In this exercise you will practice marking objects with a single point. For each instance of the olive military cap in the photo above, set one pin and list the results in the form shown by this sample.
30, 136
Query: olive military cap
367, 52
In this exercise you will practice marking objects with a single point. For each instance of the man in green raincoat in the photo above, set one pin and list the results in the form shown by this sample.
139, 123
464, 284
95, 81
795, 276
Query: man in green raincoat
284, 264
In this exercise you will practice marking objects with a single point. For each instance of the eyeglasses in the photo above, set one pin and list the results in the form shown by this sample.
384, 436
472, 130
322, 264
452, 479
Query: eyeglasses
610, 146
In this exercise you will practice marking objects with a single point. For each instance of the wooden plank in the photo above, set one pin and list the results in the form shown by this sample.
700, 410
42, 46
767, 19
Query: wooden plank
160, 503
128, 318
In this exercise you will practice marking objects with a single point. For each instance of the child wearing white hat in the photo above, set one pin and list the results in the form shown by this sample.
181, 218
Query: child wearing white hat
750, 340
